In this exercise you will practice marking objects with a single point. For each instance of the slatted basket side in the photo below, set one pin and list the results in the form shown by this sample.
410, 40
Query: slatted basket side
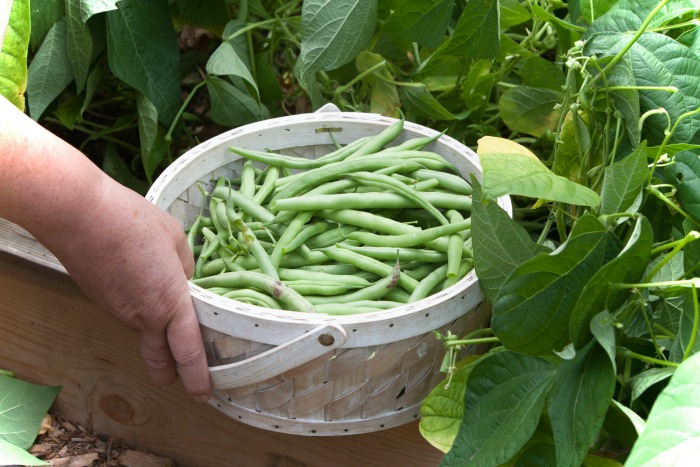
357, 389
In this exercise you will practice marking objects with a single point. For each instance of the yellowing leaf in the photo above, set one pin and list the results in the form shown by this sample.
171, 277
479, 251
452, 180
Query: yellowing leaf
511, 169
13, 55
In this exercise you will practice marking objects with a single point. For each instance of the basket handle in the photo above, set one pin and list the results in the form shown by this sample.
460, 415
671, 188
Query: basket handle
280, 359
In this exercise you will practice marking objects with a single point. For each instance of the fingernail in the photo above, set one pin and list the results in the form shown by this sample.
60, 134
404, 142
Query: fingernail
201, 398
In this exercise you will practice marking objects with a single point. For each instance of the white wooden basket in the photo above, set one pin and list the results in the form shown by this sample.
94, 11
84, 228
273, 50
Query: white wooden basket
314, 374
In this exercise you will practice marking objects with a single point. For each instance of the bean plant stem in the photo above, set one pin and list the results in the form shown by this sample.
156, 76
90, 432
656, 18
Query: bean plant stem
655, 361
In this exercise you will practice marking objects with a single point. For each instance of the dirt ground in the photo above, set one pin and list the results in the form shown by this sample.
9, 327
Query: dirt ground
65, 444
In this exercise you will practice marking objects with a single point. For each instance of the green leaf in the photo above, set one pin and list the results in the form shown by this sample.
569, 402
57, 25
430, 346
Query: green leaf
530, 110
532, 310
13, 53
150, 63
333, 33
503, 402
268, 82
423, 22
510, 168
151, 135
538, 74
684, 174
686, 328
477, 33
50, 71
658, 60
13, 455
204, 12
232, 106
22, 407
79, 43
582, 392
597, 295
421, 103
500, 244
672, 434
225, 61
646, 379
42, 18
384, 97
623, 182
442, 410
603, 330
513, 13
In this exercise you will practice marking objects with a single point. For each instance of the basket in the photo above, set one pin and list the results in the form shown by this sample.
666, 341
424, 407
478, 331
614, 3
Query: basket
314, 374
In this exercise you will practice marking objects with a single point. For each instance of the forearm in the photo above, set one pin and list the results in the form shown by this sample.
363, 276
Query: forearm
46, 185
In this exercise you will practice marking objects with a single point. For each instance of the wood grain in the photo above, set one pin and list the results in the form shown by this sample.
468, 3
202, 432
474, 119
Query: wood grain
52, 334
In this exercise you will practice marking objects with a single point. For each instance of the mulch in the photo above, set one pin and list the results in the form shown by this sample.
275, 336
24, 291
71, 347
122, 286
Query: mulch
66, 444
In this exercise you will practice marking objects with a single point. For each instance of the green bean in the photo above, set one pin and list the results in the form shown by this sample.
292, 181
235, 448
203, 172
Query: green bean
343, 151
341, 309
421, 272
411, 239
375, 291
465, 266
388, 183
415, 143
260, 281
449, 181
255, 246
331, 268
403, 254
246, 204
247, 186
377, 200
307, 288
335, 170
454, 245
268, 185
429, 283
306, 233
366, 263
330, 237
377, 142
253, 297
193, 232
288, 274
292, 230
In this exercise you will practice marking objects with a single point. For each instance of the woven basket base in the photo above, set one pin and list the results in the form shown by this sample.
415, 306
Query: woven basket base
347, 391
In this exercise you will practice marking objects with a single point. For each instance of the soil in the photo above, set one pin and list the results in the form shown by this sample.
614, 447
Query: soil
66, 444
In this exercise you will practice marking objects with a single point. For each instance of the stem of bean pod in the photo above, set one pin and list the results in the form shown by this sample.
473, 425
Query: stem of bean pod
169, 135
357, 78
676, 246
479, 340
696, 322
654, 190
667, 138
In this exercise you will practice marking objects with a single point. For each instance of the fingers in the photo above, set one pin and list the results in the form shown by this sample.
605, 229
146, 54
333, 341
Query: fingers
188, 352
156, 353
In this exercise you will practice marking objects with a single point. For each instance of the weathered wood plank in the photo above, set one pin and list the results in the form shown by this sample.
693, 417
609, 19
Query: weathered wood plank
52, 334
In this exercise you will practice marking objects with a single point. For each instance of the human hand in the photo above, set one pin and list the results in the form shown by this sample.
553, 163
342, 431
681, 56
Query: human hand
133, 260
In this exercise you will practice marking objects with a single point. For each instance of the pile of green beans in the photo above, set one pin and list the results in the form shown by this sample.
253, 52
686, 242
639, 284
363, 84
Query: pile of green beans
364, 228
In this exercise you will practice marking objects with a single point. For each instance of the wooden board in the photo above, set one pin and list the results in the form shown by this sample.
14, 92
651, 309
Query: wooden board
52, 334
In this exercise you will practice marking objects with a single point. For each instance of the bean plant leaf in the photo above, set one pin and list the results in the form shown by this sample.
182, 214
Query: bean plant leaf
684, 174
624, 181
603, 330
421, 103
477, 32
43, 18
672, 434
79, 42
333, 33
13, 53
13, 455
510, 168
597, 295
513, 13
22, 407
231, 106
384, 97
658, 60
442, 410
582, 392
50, 71
226, 61
532, 310
150, 63
423, 22
688, 330
503, 402
530, 110
500, 244
89, 8
646, 379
